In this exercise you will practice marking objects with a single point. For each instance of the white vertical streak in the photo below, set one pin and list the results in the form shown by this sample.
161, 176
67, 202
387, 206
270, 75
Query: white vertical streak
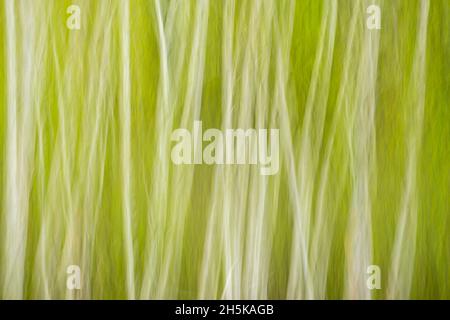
14, 231
362, 139
323, 227
403, 254
125, 111
208, 282
158, 201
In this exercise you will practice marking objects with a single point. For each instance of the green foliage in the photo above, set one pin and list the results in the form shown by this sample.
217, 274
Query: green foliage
86, 118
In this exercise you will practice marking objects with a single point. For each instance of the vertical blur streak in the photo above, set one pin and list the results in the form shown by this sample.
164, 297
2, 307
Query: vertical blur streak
182, 178
403, 254
362, 139
211, 263
20, 131
311, 137
299, 282
40, 269
229, 100
14, 226
159, 187
94, 129
236, 209
322, 230
259, 229
125, 115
